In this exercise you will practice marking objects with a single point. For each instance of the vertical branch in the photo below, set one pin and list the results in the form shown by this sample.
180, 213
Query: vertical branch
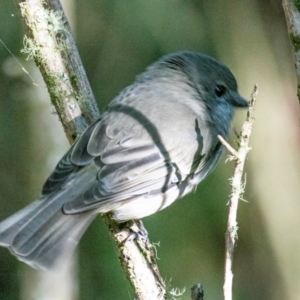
50, 43
237, 189
292, 14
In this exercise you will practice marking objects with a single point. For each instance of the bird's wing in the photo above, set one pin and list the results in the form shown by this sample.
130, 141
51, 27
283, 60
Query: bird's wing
131, 159
69, 165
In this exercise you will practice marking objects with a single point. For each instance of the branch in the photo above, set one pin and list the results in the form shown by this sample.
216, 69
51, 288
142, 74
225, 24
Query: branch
292, 15
197, 292
50, 43
138, 260
237, 189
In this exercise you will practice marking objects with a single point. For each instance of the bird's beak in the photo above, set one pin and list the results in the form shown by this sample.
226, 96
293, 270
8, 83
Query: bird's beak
238, 101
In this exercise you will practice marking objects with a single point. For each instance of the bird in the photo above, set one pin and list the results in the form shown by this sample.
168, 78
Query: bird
155, 142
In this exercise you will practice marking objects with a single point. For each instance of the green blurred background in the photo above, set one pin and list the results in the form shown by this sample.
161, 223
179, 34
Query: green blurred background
117, 39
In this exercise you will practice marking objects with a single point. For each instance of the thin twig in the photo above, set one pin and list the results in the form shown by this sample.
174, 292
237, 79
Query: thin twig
50, 43
237, 189
227, 146
197, 292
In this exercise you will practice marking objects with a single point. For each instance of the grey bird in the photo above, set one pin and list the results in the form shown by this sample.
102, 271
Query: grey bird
154, 144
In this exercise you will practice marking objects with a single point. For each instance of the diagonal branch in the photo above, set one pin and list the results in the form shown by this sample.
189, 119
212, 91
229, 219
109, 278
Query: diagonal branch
50, 43
292, 15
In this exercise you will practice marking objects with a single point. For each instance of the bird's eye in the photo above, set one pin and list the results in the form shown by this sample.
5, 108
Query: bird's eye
220, 90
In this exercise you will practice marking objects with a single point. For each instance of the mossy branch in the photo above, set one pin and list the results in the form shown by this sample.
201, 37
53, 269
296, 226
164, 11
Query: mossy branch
292, 15
50, 43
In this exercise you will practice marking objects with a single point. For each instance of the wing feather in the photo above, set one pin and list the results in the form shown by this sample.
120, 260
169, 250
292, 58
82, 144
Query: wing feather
127, 155
71, 162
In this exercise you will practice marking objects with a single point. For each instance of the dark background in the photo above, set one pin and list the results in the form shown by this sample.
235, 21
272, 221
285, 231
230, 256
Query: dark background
117, 39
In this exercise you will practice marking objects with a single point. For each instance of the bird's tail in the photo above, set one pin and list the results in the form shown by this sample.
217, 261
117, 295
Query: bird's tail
41, 235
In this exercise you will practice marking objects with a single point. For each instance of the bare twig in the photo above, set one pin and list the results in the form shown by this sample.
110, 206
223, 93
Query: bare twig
50, 43
237, 189
292, 15
227, 146
197, 292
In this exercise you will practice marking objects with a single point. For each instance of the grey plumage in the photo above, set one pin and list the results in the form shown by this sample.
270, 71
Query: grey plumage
156, 141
